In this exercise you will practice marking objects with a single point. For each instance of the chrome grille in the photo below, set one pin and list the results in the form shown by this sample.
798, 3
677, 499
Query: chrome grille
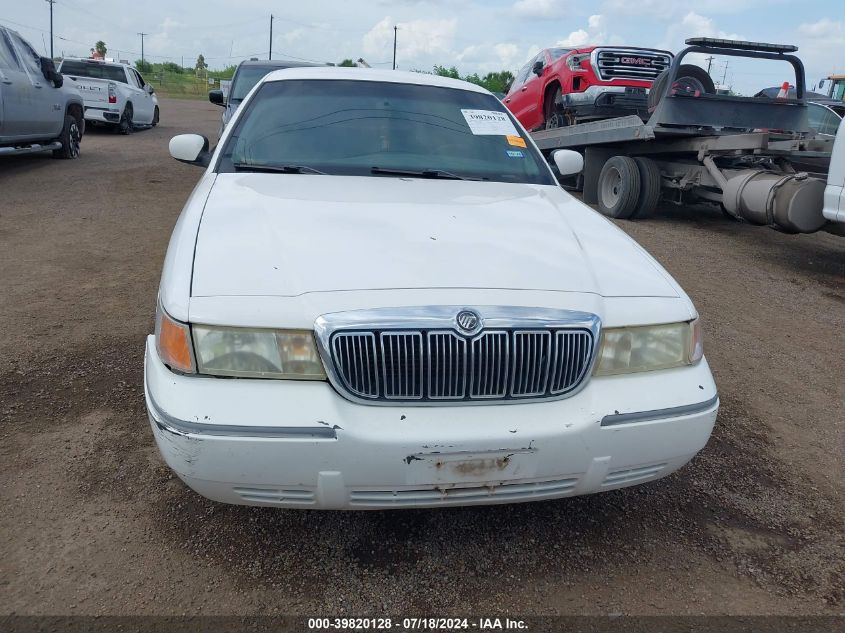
443, 365
617, 63
357, 363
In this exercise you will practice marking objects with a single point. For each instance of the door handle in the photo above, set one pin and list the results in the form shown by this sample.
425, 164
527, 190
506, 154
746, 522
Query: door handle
524, 88
508, 100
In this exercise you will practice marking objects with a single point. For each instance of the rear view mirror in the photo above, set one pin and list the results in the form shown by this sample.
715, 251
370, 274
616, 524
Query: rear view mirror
538, 68
568, 162
216, 97
191, 149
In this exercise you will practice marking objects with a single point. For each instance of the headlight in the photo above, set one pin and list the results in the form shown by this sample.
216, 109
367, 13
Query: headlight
242, 352
574, 62
632, 349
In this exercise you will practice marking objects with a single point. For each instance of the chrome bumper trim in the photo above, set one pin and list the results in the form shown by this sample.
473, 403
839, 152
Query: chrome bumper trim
167, 422
659, 414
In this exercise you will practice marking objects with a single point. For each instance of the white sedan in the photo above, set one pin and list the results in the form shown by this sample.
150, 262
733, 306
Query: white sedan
378, 297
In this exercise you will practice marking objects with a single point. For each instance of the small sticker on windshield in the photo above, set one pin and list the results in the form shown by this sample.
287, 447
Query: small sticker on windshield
515, 153
516, 141
489, 123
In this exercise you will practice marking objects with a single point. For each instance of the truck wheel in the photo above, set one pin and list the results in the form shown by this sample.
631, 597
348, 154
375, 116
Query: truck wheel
70, 139
691, 79
552, 118
155, 117
650, 186
125, 125
619, 187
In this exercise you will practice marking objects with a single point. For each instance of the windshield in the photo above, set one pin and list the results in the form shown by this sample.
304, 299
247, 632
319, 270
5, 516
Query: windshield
247, 77
379, 128
93, 70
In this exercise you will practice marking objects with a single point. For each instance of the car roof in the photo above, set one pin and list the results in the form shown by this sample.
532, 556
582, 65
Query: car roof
280, 63
369, 74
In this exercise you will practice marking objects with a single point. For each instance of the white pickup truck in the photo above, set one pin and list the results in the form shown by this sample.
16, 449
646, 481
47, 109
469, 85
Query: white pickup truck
834, 193
114, 94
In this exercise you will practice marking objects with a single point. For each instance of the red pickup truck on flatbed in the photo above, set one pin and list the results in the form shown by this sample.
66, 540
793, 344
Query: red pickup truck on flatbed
564, 86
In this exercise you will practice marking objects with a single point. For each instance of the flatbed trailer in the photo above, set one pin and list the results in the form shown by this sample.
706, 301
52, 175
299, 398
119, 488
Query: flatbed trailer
755, 157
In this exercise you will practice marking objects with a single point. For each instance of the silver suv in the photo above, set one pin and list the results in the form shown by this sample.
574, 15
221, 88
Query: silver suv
36, 112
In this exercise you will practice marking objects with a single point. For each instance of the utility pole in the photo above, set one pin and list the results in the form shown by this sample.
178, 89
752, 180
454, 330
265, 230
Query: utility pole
709, 63
52, 2
395, 29
142, 46
271, 37
725, 75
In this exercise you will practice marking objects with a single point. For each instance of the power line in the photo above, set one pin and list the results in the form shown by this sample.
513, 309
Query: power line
142, 46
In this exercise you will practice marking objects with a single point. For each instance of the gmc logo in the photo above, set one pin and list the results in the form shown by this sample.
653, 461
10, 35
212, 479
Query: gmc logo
637, 61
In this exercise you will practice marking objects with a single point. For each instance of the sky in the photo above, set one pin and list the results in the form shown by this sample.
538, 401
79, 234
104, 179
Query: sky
473, 35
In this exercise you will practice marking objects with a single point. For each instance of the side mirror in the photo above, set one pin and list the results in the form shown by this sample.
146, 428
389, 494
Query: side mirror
149, 89
568, 162
216, 97
48, 69
538, 68
191, 149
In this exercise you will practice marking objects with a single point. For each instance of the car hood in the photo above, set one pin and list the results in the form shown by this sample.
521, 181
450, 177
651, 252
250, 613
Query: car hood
290, 234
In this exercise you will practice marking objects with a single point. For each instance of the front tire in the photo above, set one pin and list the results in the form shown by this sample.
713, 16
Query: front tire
70, 139
126, 125
619, 187
155, 117
553, 119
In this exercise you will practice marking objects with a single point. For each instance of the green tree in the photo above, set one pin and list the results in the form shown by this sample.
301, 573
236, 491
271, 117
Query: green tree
498, 82
348, 63
143, 66
171, 67
200, 65
100, 47
447, 72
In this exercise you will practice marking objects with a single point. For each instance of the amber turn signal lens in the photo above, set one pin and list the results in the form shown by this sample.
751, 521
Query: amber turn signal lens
173, 340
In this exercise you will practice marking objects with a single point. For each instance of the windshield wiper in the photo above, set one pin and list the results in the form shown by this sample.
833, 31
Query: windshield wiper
280, 169
423, 173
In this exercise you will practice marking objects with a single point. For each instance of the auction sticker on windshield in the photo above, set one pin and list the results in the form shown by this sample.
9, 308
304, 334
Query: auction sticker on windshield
489, 122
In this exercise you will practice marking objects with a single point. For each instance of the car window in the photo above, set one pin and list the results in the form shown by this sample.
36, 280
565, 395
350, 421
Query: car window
246, 78
347, 127
28, 57
541, 57
822, 119
8, 60
520, 78
95, 70
139, 78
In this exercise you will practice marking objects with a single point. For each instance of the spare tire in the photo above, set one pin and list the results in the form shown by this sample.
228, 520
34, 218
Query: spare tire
691, 79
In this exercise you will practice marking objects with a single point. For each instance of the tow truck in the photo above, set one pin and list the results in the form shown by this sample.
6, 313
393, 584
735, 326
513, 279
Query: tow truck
836, 87
755, 157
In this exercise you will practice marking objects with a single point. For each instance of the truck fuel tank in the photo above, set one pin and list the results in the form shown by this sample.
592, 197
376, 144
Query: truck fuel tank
790, 202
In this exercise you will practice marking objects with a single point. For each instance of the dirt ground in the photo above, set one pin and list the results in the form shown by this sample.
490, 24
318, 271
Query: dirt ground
93, 522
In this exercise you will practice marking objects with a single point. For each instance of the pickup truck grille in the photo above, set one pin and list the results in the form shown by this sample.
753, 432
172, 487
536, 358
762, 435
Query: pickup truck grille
620, 63
444, 365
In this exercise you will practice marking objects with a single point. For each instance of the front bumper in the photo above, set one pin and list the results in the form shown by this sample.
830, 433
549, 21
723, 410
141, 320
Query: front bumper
300, 444
606, 102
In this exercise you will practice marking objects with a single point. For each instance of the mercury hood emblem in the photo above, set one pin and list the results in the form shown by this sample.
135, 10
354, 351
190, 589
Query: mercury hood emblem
468, 321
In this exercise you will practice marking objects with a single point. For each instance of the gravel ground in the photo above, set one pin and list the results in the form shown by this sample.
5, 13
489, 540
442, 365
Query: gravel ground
94, 523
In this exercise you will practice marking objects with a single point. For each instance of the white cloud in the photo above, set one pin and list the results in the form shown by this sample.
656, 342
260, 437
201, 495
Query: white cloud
417, 38
825, 28
539, 8
575, 38
596, 22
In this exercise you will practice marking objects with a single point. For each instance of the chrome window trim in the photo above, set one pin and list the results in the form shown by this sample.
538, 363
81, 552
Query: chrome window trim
443, 317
